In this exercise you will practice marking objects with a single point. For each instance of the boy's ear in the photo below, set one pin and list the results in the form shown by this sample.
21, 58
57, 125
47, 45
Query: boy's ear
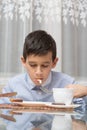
23, 60
55, 62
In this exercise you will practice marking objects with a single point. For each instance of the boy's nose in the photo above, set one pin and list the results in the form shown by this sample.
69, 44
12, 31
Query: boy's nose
38, 70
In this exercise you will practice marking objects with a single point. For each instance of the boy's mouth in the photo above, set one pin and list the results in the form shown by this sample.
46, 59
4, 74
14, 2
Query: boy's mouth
39, 81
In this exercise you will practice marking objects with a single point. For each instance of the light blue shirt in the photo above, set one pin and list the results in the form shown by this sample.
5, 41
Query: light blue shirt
23, 85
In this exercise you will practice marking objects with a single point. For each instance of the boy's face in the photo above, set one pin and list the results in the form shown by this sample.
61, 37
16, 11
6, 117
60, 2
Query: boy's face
39, 67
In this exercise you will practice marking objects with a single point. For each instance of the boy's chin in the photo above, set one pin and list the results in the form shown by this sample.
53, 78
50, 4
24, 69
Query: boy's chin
37, 84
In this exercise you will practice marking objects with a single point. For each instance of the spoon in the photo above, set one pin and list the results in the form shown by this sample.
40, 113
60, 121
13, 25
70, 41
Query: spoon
48, 91
42, 88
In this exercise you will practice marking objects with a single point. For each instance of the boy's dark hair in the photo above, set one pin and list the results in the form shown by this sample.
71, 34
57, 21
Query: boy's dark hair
39, 43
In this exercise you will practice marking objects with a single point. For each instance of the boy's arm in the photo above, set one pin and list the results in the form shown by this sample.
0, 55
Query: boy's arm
79, 90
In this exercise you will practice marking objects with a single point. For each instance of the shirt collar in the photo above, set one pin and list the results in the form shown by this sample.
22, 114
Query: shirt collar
32, 85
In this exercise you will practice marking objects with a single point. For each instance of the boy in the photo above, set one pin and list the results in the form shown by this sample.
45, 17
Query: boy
39, 58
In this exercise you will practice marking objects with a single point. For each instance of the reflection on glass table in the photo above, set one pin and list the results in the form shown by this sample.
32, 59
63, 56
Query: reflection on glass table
44, 121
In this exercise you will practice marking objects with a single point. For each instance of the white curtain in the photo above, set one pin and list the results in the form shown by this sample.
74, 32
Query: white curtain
65, 20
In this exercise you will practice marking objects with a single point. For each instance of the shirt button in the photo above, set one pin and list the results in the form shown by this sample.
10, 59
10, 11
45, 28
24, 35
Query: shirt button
39, 93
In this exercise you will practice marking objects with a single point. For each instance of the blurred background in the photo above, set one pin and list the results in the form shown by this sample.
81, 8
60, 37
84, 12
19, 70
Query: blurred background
65, 20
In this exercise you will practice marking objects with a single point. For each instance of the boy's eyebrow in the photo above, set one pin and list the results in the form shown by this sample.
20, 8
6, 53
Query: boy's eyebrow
47, 62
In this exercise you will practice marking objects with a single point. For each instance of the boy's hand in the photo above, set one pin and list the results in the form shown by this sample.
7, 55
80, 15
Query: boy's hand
79, 90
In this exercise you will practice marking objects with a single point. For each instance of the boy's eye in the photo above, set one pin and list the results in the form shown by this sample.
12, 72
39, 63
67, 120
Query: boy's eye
33, 65
45, 66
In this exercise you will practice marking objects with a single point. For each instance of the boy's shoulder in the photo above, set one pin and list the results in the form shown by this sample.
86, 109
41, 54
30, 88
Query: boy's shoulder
62, 76
17, 78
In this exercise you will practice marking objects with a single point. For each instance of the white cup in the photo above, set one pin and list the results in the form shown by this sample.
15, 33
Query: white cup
63, 95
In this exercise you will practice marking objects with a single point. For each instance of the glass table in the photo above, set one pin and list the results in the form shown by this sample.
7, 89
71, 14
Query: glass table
40, 120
